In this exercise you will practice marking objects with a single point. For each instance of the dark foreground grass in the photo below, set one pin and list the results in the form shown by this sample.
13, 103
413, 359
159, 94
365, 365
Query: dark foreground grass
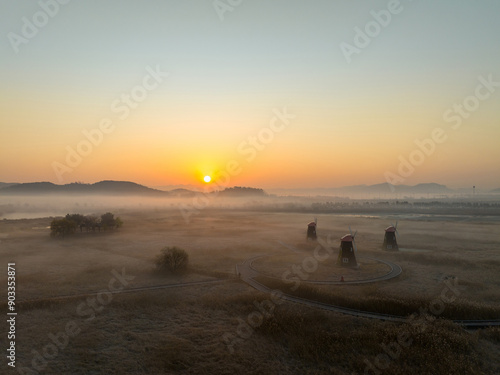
349, 346
181, 331
312, 341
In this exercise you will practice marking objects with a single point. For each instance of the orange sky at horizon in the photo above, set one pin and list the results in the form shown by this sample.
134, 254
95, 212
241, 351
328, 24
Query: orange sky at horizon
205, 90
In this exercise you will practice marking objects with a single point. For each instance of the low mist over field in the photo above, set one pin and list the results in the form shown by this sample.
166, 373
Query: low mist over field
46, 199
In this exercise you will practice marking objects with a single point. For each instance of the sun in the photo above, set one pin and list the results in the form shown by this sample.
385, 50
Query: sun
207, 179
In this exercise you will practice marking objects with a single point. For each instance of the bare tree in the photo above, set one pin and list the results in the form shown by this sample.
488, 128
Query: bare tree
172, 259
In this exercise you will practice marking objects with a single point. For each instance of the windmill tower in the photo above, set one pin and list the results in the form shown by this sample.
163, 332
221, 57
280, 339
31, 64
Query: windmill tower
348, 251
390, 242
311, 229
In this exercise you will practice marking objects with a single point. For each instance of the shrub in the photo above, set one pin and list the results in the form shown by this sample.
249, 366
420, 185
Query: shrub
172, 259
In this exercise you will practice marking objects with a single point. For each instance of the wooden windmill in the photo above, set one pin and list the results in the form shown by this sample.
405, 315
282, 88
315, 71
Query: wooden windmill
348, 251
390, 242
311, 229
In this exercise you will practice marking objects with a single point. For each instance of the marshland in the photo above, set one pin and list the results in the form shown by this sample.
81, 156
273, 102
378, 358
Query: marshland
180, 322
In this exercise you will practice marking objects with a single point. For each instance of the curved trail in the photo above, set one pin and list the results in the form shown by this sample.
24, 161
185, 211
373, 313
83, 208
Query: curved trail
395, 270
247, 274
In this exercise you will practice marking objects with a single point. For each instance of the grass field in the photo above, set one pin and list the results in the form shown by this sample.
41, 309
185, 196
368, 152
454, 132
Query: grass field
219, 328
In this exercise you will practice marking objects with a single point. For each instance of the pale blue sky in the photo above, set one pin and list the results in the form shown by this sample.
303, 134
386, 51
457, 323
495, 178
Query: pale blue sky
232, 73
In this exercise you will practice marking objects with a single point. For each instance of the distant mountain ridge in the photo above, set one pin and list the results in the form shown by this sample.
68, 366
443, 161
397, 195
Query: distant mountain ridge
116, 188
238, 191
102, 187
109, 187
6, 184
377, 189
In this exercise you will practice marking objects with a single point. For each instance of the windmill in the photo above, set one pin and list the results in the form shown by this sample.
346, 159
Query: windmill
390, 242
311, 229
348, 250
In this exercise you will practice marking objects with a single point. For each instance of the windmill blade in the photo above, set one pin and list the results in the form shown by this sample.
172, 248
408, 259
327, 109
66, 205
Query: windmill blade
395, 227
350, 232
353, 241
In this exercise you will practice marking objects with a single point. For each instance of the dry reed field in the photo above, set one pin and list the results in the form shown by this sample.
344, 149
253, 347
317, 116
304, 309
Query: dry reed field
229, 327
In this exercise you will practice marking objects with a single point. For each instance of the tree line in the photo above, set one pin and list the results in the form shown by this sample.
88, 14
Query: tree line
91, 223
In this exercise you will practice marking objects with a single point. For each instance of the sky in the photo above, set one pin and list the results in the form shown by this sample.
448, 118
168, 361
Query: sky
283, 93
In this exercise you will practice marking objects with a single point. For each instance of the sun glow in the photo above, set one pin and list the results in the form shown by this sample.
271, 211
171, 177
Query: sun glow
207, 179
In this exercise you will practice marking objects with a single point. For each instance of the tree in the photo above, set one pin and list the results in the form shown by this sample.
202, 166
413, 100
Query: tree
108, 220
77, 218
118, 222
62, 227
68, 225
90, 222
172, 259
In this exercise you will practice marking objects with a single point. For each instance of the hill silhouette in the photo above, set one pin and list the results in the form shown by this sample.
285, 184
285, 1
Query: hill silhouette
102, 187
373, 190
6, 184
115, 188
109, 187
239, 191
